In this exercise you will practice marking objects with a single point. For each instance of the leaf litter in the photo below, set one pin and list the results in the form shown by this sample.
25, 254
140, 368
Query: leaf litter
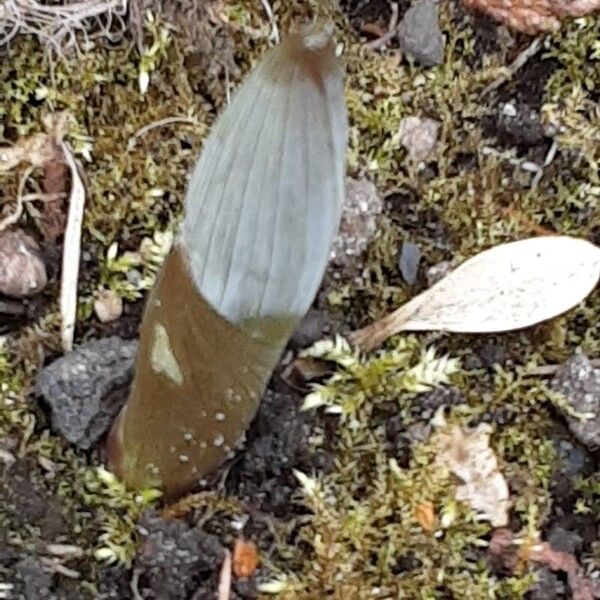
511, 286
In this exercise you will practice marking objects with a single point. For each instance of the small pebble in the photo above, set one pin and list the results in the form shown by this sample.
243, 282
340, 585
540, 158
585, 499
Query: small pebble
362, 206
410, 257
419, 136
579, 382
420, 34
108, 306
22, 271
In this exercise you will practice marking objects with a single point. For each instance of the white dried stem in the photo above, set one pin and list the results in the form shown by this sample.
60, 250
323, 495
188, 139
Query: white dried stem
71, 253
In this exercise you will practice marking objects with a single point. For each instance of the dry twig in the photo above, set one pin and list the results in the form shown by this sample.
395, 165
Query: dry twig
225, 578
71, 253
391, 32
160, 123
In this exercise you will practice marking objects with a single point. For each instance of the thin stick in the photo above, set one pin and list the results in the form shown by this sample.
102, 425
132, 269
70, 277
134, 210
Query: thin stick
16, 215
225, 578
516, 64
134, 584
160, 123
391, 32
71, 254
274, 37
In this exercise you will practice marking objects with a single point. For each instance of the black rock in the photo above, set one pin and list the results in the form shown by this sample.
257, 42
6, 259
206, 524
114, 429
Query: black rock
420, 34
86, 388
174, 558
410, 258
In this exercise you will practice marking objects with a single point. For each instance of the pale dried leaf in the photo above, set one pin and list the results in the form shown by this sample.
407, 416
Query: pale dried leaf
468, 455
508, 287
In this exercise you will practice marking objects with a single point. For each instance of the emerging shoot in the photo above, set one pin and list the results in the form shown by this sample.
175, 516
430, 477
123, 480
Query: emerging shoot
262, 209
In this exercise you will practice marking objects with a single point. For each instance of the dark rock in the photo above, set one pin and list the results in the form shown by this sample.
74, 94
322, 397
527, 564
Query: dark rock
420, 34
579, 382
173, 558
362, 206
36, 580
86, 388
563, 540
548, 586
313, 326
518, 123
410, 258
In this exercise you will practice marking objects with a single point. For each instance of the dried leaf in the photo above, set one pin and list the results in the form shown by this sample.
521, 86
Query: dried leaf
533, 16
425, 514
508, 287
468, 455
245, 558
507, 552
303, 370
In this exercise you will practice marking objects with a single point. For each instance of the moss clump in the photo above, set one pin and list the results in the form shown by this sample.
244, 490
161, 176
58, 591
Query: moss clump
369, 531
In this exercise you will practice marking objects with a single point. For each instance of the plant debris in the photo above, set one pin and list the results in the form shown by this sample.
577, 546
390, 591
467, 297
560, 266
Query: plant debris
533, 16
511, 553
468, 455
498, 290
22, 270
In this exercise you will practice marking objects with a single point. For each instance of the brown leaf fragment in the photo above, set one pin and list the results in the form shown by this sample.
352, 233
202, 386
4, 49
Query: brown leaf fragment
468, 455
507, 552
304, 370
533, 16
22, 271
245, 558
55, 179
425, 514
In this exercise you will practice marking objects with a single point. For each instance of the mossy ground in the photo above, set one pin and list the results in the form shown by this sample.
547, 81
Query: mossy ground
365, 538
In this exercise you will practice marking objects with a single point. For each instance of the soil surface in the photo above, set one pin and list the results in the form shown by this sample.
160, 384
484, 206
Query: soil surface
256, 495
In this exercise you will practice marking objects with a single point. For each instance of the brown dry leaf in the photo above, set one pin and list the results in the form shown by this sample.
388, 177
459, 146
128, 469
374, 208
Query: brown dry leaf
304, 370
468, 455
533, 16
425, 515
511, 286
245, 558
507, 553
44, 150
